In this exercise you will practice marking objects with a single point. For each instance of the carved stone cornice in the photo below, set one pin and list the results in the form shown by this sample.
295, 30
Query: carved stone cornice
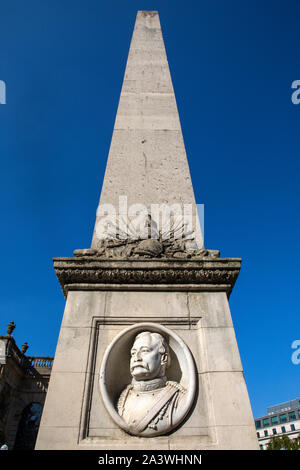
91, 271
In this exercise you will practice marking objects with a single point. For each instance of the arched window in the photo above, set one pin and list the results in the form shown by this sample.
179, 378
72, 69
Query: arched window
28, 427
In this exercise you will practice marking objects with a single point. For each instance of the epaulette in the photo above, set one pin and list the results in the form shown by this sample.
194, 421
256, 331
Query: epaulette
176, 385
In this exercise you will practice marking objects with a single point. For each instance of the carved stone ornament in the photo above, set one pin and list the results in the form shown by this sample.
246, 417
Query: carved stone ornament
86, 272
150, 243
148, 380
149, 248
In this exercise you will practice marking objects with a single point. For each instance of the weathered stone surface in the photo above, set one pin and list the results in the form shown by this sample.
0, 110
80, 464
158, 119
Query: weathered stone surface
145, 248
112, 288
64, 399
221, 398
89, 270
72, 349
212, 307
147, 141
219, 351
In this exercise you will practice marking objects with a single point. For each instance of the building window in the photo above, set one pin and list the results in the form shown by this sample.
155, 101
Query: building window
283, 418
292, 427
28, 427
274, 431
283, 429
266, 433
274, 420
299, 413
261, 447
258, 424
292, 416
266, 422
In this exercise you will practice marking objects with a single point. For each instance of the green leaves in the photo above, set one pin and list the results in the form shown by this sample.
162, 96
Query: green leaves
283, 443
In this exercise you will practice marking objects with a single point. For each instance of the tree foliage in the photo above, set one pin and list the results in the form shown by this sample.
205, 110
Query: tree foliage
283, 443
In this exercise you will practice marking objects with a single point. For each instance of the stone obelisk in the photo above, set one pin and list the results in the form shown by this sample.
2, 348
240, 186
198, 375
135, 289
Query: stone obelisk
147, 160
147, 320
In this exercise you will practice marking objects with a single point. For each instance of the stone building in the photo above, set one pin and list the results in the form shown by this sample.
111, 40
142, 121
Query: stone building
282, 419
23, 387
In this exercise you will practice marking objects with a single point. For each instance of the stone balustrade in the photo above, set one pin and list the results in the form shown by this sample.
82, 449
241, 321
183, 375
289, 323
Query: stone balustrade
39, 361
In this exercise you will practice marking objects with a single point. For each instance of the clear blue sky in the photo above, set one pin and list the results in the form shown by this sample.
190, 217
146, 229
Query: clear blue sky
232, 65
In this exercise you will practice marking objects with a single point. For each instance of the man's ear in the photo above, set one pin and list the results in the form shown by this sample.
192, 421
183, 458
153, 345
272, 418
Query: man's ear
164, 358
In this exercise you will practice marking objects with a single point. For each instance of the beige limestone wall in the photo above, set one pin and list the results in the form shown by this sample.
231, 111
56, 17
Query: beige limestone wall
75, 416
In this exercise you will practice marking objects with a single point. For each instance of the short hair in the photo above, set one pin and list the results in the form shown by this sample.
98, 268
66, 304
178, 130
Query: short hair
163, 347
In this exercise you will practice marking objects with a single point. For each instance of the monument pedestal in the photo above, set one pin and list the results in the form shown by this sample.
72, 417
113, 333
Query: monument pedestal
104, 298
165, 285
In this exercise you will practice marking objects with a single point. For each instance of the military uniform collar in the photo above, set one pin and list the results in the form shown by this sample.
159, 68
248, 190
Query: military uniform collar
148, 385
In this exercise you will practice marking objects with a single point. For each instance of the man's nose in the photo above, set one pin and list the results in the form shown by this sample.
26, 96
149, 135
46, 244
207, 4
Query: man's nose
138, 355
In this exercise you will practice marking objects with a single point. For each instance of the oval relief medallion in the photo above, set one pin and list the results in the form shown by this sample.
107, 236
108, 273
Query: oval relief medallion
148, 380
